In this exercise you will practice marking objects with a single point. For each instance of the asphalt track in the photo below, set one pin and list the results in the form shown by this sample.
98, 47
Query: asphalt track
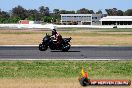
78, 52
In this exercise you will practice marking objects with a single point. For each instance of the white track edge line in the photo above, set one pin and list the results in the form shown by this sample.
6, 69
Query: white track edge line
71, 45
65, 59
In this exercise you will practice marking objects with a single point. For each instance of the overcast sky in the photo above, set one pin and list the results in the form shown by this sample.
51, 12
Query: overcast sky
95, 5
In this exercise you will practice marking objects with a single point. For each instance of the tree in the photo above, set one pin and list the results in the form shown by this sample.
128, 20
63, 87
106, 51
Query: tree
47, 19
56, 11
2, 20
19, 11
99, 12
71, 12
120, 13
4, 14
63, 12
114, 12
91, 12
32, 18
44, 11
33, 14
14, 19
109, 12
83, 11
128, 12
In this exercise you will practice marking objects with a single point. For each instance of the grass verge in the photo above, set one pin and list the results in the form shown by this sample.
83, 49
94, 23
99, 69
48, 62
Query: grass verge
60, 74
64, 69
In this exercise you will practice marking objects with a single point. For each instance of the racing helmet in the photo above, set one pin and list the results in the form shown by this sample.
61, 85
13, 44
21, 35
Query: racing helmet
54, 32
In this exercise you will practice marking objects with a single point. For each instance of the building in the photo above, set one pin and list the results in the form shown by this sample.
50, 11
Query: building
116, 20
81, 19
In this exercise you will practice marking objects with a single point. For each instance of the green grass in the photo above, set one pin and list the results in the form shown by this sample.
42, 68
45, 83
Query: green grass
77, 31
85, 34
20, 32
116, 30
101, 29
95, 34
64, 69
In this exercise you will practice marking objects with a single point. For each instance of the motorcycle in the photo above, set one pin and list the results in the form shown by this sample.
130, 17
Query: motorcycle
48, 42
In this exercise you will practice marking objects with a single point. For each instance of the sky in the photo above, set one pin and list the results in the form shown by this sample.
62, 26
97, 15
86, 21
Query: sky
95, 5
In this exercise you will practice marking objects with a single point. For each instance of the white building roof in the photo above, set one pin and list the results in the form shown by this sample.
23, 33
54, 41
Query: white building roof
76, 14
117, 18
81, 14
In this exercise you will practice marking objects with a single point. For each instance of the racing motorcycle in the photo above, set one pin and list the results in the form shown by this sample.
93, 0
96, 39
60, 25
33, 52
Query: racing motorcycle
48, 42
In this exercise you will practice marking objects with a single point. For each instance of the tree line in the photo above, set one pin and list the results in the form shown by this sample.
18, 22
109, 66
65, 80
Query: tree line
43, 14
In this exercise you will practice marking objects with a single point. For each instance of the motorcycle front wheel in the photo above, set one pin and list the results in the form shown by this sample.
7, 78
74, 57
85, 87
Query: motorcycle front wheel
42, 47
66, 47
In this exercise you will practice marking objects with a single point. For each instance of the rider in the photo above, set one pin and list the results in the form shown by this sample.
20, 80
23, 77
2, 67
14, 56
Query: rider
57, 37
84, 73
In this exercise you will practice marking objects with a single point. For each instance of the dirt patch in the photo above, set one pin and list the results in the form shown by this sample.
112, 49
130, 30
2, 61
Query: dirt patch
33, 37
48, 83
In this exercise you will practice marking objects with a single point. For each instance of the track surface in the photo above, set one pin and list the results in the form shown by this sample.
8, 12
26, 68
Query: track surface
89, 52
